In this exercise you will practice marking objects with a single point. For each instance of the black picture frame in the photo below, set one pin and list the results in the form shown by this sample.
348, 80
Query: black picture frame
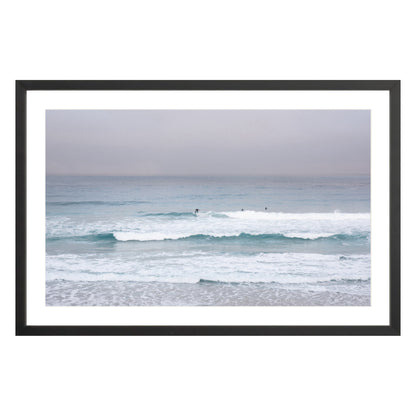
22, 328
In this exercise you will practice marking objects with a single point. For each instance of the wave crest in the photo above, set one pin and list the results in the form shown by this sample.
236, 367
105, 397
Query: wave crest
178, 225
159, 236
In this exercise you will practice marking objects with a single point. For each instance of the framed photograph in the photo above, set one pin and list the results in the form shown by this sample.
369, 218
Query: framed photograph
208, 207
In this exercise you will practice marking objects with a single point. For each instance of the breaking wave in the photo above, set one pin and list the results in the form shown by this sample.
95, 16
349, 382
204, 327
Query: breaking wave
197, 267
156, 236
234, 224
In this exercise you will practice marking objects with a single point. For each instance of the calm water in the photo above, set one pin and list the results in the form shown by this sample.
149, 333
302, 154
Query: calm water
138, 241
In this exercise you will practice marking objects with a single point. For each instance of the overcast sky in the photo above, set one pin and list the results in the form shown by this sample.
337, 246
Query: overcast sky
207, 142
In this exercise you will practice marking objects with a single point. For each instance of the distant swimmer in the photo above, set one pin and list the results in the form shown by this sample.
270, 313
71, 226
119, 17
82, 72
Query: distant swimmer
265, 208
242, 209
196, 211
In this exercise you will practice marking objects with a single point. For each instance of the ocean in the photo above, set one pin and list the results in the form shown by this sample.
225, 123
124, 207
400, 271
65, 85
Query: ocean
254, 241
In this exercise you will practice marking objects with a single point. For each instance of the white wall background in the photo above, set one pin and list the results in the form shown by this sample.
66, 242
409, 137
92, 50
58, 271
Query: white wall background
207, 40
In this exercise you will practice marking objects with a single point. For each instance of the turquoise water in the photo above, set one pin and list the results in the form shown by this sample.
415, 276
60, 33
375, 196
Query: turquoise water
253, 241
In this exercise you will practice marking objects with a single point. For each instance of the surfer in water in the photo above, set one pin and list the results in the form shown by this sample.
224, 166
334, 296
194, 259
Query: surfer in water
196, 211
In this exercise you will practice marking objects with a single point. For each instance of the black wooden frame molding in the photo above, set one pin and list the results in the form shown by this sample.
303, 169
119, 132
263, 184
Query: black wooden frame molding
21, 207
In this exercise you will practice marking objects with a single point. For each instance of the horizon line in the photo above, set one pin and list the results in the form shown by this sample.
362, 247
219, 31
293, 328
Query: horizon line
210, 174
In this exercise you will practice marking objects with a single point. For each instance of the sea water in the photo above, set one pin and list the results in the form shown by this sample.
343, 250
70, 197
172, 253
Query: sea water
253, 241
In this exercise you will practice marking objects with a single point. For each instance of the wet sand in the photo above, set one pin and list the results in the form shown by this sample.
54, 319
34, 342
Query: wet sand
130, 293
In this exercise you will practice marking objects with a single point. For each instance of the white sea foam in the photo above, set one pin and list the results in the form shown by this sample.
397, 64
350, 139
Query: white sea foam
284, 268
151, 236
216, 224
155, 236
287, 216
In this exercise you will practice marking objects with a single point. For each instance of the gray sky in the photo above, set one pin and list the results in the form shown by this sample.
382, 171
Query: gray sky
207, 142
